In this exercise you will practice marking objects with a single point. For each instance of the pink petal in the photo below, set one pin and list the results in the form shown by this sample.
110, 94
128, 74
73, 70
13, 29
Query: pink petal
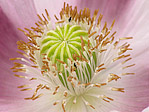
111, 9
13, 14
130, 22
146, 110
20, 13
135, 23
8, 50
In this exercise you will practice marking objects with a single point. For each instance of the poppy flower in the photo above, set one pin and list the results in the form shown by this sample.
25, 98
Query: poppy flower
91, 58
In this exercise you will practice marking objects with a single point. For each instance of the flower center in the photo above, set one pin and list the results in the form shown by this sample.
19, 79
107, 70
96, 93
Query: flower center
63, 42
77, 64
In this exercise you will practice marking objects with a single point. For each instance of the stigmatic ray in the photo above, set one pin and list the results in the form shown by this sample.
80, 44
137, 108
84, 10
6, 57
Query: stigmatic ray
74, 65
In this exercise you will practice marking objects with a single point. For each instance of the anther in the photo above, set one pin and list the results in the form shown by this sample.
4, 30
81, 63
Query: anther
63, 107
56, 89
55, 103
37, 96
90, 28
47, 14
65, 94
113, 77
118, 89
124, 38
26, 89
112, 24
128, 73
14, 58
82, 43
56, 17
23, 86
100, 69
20, 76
128, 66
60, 22
92, 34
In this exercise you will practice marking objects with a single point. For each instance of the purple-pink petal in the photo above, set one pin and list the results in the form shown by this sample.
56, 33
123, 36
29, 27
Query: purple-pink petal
131, 20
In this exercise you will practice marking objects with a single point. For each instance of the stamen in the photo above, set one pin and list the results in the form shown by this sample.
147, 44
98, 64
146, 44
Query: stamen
102, 50
99, 19
92, 34
107, 98
35, 66
40, 19
17, 65
23, 54
26, 89
60, 22
123, 56
112, 24
56, 17
126, 60
55, 103
63, 107
69, 59
115, 44
87, 103
118, 89
20, 76
128, 66
33, 79
113, 77
64, 5
45, 19
82, 43
33, 61
91, 106
47, 14
56, 89
14, 58
61, 61
24, 32
113, 34
99, 85
87, 84
100, 65
28, 98
126, 38
19, 70
39, 26
103, 30
23, 86
100, 69
88, 44
128, 73
37, 96
28, 30
65, 94
90, 28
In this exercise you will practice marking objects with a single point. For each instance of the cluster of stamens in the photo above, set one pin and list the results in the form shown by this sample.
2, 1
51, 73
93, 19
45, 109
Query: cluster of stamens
77, 72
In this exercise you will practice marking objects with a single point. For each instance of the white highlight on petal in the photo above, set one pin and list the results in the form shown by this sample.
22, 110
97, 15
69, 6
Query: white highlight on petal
146, 109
